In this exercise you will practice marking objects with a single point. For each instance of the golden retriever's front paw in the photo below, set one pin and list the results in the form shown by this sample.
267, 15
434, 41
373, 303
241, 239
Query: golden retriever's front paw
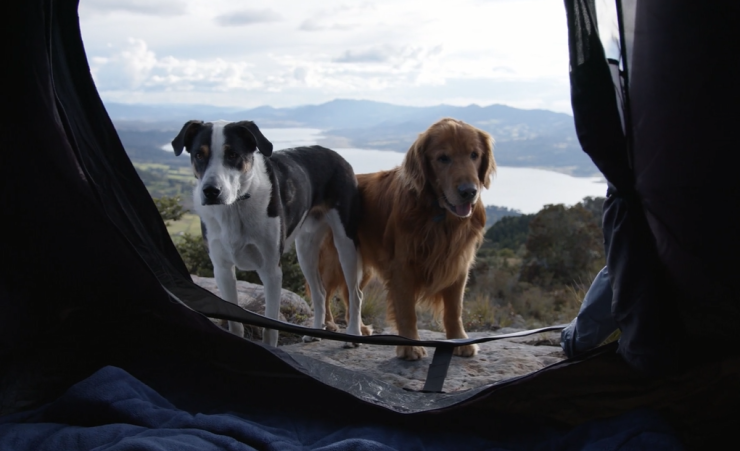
466, 351
331, 326
410, 352
366, 329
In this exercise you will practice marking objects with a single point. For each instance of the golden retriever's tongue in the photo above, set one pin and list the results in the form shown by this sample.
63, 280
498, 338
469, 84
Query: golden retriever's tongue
462, 210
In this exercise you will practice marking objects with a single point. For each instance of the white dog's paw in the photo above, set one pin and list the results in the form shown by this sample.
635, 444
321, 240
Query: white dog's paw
352, 329
307, 339
236, 328
270, 337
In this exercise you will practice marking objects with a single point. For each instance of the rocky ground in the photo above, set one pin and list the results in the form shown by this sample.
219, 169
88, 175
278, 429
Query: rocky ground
497, 360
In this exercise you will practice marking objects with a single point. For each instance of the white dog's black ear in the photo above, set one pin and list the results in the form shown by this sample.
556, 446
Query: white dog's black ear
185, 138
263, 144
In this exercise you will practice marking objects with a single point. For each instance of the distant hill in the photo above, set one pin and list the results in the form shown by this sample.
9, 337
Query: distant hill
523, 138
494, 214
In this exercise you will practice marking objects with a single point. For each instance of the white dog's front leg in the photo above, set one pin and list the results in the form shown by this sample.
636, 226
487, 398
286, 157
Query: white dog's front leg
226, 281
272, 280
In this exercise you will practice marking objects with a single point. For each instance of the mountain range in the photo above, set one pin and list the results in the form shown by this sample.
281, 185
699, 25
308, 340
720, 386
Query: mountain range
523, 138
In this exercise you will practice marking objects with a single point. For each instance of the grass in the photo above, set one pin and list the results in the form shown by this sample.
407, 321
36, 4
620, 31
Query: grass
373, 304
163, 180
189, 223
481, 313
373, 309
499, 299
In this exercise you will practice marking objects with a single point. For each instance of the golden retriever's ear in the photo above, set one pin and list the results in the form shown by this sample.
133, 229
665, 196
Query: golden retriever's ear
487, 164
414, 164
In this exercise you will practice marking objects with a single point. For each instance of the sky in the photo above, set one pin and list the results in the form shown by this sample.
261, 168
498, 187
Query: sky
286, 53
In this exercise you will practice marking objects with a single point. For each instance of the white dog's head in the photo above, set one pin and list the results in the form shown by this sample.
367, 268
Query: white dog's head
223, 157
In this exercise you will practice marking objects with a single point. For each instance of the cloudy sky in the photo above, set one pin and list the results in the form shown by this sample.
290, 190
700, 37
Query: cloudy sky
295, 52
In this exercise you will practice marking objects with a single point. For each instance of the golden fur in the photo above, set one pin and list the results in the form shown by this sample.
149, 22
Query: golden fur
418, 233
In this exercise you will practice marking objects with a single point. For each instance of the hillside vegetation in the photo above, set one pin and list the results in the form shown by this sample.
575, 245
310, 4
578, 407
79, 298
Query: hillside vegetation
532, 270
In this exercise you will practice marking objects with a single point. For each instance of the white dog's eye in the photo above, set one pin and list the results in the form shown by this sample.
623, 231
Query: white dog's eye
199, 155
230, 154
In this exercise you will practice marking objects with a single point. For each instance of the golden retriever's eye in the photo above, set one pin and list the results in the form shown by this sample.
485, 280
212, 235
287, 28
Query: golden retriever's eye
443, 159
474, 156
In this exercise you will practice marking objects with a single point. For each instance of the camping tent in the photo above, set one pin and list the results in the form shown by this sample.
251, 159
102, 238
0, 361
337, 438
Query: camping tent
104, 341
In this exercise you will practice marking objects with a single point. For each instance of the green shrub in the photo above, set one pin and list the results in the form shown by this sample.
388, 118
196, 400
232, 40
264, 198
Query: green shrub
510, 232
194, 253
564, 246
170, 208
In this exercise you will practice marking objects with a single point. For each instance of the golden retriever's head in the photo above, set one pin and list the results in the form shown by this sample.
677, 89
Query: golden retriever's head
453, 161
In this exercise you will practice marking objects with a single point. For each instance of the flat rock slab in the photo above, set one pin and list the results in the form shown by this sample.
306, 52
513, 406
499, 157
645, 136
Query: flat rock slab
496, 361
293, 308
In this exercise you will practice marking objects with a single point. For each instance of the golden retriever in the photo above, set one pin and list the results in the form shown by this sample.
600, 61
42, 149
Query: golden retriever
420, 227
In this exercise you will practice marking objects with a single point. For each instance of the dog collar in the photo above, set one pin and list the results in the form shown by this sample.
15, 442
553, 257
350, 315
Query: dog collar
440, 216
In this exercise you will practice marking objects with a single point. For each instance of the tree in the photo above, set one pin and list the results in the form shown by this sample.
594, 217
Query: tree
565, 245
194, 253
595, 205
169, 208
510, 232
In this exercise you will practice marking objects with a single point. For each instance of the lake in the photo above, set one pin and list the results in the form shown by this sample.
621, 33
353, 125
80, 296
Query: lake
524, 189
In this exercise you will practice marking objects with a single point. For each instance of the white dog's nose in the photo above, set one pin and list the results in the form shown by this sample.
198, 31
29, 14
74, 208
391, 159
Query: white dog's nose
211, 192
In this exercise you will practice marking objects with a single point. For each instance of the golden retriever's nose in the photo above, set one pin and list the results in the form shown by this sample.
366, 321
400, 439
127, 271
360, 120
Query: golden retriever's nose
467, 191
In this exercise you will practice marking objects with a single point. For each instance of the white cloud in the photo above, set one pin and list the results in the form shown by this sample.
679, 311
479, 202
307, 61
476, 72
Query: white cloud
247, 17
314, 24
137, 68
128, 68
366, 70
408, 56
404, 51
162, 8
342, 17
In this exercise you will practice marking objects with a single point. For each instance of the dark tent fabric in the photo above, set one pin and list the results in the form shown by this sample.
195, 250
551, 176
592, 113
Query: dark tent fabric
668, 219
97, 311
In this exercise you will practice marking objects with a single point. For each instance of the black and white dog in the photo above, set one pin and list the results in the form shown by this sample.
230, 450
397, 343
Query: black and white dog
254, 205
